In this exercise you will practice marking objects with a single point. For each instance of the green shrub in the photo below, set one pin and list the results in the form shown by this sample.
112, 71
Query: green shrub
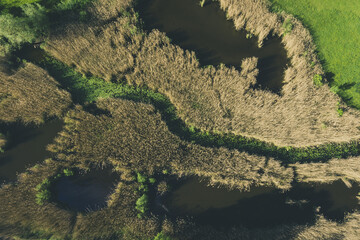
152, 180
340, 110
318, 80
142, 204
161, 236
68, 172
287, 26
143, 188
141, 178
43, 194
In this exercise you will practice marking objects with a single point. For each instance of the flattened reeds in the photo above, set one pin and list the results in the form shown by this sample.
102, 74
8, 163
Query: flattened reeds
30, 95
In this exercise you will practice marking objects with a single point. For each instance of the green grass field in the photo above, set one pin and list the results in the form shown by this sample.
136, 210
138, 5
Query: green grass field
335, 27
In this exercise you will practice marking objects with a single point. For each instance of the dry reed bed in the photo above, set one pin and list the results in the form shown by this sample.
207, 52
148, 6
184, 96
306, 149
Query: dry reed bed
346, 169
30, 95
216, 99
22, 216
132, 136
19, 210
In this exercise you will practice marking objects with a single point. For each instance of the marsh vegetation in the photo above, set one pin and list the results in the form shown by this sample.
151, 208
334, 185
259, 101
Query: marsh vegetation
173, 119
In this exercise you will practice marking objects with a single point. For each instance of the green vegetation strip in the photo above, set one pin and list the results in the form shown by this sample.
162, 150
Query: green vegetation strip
89, 89
335, 27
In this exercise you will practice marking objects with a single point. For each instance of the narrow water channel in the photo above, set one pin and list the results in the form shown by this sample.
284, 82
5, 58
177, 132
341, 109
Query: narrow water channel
86, 192
26, 146
261, 207
214, 39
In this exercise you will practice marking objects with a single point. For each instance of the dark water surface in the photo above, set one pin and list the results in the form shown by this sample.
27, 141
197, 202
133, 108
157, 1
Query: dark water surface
214, 39
86, 191
261, 207
26, 146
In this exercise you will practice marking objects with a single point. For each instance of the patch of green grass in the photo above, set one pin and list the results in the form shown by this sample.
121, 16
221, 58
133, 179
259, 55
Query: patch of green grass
335, 26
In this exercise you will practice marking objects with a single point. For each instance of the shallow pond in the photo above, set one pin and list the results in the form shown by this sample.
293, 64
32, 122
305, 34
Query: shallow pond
214, 39
86, 192
26, 146
261, 207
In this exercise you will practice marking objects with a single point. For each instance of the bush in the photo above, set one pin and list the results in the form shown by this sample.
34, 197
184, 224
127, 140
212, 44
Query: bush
142, 204
141, 178
318, 80
161, 236
43, 194
287, 26
68, 172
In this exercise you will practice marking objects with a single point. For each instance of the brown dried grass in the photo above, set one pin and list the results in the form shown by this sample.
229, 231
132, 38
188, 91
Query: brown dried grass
217, 99
19, 212
347, 170
132, 136
30, 95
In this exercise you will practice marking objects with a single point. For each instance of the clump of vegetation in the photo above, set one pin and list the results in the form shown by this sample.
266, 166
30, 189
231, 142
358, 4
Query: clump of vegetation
33, 86
318, 80
142, 205
201, 3
340, 109
142, 202
68, 172
43, 193
287, 26
2, 142
162, 236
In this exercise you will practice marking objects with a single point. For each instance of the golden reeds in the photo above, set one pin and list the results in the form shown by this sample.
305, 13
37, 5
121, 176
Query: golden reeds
217, 98
30, 95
